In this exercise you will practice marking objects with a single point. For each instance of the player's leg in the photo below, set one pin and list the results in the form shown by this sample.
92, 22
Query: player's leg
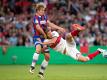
76, 29
74, 53
90, 56
45, 62
75, 32
35, 57
44, 65
82, 58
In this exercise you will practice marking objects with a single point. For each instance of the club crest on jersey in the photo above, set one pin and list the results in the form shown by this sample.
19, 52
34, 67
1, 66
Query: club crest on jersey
43, 22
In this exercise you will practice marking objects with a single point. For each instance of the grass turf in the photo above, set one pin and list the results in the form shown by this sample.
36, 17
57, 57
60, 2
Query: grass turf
56, 72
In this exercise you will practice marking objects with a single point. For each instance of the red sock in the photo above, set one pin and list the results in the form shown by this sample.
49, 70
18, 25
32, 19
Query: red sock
91, 56
75, 32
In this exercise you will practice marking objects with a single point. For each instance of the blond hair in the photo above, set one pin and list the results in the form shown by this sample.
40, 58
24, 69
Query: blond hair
69, 37
38, 6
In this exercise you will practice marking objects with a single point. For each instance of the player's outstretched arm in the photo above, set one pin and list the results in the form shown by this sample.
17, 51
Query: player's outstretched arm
52, 25
50, 41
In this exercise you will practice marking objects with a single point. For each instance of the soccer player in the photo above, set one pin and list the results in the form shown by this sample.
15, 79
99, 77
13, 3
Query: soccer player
68, 46
40, 23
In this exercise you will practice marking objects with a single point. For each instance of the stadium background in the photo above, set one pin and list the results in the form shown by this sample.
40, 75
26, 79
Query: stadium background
16, 43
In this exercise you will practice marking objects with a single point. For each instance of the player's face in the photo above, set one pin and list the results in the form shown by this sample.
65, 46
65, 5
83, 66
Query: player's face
41, 11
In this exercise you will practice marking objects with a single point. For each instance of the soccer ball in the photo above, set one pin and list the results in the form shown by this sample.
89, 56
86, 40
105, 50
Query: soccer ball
105, 54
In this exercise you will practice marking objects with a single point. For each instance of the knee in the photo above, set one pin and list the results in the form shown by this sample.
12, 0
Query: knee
38, 50
35, 56
47, 57
83, 60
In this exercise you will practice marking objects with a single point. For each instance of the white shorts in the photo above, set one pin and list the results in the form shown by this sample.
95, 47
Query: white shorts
72, 51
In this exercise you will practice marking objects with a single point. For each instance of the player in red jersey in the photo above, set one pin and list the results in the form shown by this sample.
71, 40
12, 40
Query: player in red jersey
68, 46
40, 23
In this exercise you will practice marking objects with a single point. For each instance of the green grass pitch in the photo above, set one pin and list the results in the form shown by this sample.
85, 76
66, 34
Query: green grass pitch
56, 72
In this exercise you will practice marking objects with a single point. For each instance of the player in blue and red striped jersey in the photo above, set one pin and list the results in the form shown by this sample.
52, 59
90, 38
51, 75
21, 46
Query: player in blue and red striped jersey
40, 23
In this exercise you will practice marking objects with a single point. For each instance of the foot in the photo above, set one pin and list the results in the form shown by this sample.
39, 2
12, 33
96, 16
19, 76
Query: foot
41, 75
104, 52
101, 50
77, 27
31, 69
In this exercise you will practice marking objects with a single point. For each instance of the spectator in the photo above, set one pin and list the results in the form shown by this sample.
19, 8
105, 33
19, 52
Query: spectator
16, 20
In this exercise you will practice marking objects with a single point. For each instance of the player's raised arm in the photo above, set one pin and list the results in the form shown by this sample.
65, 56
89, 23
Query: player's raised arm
52, 25
50, 41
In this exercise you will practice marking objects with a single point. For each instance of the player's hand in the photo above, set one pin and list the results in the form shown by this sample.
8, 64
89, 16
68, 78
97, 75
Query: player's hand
45, 36
44, 48
62, 30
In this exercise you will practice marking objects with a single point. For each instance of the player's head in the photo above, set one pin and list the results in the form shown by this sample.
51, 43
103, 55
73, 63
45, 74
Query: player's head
52, 34
40, 8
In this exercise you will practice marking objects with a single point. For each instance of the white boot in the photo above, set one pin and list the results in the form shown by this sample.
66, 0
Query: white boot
104, 52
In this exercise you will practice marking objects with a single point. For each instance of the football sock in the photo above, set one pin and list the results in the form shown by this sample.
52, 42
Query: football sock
75, 32
91, 56
43, 66
35, 58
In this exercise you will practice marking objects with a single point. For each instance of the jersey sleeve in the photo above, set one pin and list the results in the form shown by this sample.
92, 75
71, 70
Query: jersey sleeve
35, 21
46, 17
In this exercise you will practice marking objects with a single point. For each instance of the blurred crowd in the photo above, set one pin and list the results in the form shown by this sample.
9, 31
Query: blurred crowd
16, 27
